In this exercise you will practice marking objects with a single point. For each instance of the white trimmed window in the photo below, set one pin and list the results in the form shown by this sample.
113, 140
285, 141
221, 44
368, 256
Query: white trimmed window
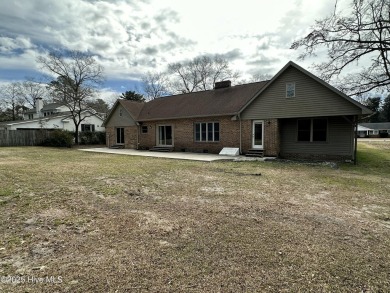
88, 127
312, 130
290, 90
206, 131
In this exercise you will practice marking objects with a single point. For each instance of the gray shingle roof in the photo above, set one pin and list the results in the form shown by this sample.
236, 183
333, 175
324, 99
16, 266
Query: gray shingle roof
376, 126
217, 102
133, 107
51, 106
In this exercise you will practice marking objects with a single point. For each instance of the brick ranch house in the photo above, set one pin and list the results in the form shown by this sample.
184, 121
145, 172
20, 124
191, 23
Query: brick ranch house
293, 115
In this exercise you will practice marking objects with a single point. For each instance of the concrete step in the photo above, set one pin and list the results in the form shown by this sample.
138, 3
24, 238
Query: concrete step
161, 149
255, 153
117, 146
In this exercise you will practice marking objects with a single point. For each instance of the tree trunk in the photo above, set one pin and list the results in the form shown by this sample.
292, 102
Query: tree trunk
76, 135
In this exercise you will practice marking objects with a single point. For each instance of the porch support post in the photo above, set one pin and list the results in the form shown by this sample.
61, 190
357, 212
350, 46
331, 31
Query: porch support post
239, 118
138, 134
355, 125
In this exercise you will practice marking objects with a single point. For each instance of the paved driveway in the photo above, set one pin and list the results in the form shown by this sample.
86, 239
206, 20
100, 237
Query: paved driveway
168, 155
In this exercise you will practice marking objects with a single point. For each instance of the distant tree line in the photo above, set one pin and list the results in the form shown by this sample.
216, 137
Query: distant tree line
381, 109
198, 74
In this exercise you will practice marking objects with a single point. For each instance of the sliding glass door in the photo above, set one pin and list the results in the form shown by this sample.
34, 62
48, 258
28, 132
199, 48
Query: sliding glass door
165, 135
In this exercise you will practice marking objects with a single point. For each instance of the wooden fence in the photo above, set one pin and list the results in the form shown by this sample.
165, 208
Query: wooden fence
23, 137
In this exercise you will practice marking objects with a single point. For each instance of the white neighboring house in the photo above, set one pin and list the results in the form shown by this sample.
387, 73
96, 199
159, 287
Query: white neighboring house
373, 129
54, 116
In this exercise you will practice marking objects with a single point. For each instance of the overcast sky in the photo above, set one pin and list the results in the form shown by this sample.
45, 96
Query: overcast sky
131, 37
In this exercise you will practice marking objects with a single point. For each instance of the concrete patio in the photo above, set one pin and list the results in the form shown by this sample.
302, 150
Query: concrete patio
168, 155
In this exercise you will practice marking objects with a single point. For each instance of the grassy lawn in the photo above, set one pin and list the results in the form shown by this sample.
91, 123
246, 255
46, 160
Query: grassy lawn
113, 223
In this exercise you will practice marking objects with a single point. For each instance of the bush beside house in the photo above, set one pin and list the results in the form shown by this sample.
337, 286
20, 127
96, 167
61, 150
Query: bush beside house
59, 138
96, 137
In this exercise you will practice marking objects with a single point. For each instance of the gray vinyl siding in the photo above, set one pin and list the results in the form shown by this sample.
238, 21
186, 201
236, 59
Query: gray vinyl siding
339, 139
312, 99
119, 121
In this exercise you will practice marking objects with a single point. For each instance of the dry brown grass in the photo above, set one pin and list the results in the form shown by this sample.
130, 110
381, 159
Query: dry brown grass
111, 223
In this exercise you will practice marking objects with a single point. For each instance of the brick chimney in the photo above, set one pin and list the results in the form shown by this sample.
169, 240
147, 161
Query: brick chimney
38, 106
222, 84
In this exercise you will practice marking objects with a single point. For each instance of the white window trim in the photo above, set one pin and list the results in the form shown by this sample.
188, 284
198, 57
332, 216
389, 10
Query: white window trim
207, 131
158, 135
287, 85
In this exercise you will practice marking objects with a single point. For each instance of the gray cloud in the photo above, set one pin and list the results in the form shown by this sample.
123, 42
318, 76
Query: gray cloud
121, 33
130, 37
150, 51
262, 60
167, 15
232, 55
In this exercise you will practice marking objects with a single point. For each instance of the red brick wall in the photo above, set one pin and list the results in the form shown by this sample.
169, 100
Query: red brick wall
246, 132
110, 136
271, 134
229, 135
130, 136
183, 134
271, 137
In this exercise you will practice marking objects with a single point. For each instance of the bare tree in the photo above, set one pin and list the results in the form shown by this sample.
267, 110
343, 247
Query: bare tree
11, 101
200, 74
361, 36
31, 89
155, 85
255, 78
77, 77
260, 77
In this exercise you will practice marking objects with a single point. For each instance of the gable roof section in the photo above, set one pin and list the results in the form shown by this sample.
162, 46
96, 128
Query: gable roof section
377, 125
364, 109
217, 102
51, 106
58, 115
65, 115
132, 107
362, 128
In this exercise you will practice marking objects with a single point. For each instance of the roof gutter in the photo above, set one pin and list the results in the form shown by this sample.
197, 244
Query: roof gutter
185, 117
